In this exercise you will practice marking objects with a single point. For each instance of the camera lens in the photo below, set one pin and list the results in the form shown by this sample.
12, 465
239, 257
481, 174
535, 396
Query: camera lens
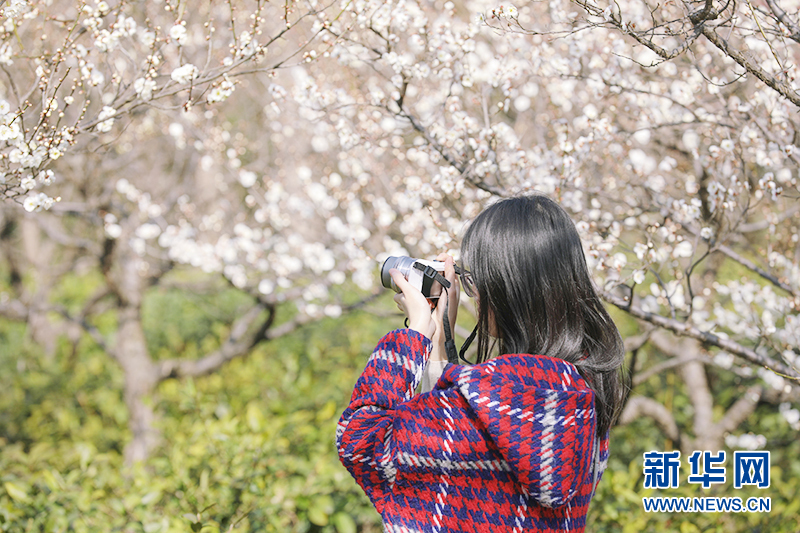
403, 264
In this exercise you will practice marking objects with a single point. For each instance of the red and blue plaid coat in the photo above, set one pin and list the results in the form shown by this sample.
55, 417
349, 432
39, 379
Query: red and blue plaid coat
503, 446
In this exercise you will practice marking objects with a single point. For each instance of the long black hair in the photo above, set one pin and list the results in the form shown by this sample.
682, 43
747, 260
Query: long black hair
533, 285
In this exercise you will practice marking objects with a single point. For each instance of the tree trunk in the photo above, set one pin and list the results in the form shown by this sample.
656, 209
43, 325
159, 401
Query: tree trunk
130, 351
141, 377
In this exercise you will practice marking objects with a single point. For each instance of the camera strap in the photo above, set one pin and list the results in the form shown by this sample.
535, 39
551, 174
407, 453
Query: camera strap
449, 343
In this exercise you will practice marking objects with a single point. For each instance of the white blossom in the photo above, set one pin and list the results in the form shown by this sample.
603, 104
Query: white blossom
106, 117
247, 178
683, 249
113, 231
185, 74
147, 38
222, 91
46, 177
178, 34
6, 53
144, 88
747, 441
9, 133
38, 202
266, 287
277, 92
148, 231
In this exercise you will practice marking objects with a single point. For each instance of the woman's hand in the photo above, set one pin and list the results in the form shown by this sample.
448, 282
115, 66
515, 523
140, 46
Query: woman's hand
438, 352
418, 308
414, 304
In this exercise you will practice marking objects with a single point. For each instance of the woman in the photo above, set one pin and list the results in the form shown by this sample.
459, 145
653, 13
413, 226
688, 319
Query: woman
518, 441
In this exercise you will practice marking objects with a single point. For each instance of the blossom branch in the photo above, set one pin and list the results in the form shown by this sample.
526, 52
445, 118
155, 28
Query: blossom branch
728, 252
688, 330
464, 170
785, 20
771, 81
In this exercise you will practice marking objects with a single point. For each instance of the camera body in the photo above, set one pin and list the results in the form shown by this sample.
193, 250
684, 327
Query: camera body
415, 271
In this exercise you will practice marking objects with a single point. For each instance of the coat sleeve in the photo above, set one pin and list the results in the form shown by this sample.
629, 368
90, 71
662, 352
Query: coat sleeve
364, 433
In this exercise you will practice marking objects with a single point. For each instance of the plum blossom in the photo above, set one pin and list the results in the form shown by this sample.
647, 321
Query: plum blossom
148, 231
144, 88
5, 54
178, 34
106, 117
92, 74
507, 11
277, 92
247, 178
46, 177
185, 74
791, 415
747, 441
222, 91
38, 202
9, 133
266, 287
683, 249
147, 38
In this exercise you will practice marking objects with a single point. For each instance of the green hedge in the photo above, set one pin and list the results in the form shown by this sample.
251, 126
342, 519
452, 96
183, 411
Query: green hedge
250, 448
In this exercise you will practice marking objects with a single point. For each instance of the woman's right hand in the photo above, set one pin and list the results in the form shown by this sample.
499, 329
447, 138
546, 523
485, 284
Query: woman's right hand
415, 305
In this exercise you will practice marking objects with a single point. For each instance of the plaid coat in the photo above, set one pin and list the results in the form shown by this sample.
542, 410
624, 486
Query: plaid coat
504, 446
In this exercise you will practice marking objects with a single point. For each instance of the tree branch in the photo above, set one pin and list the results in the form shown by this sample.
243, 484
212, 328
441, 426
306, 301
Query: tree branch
47, 224
785, 20
764, 224
462, 169
740, 410
694, 377
755, 268
241, 339
634, 343
771, 81
639, 406
14, 310
664, 365
93, 332
688, 330
240, 343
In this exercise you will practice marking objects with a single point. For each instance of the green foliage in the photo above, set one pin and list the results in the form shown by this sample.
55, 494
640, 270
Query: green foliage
250, 448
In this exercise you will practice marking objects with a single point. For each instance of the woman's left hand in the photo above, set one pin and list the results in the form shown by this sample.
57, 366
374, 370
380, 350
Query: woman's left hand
438, 353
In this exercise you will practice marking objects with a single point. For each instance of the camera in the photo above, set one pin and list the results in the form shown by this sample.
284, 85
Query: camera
419, 273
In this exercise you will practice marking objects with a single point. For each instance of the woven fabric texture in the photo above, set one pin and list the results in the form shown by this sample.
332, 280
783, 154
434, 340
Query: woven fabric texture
504, 446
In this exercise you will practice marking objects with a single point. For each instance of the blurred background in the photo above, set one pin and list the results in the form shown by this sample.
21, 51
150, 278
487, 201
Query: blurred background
196, 200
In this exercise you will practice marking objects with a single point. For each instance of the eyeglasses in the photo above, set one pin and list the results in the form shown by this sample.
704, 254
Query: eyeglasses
466, 281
